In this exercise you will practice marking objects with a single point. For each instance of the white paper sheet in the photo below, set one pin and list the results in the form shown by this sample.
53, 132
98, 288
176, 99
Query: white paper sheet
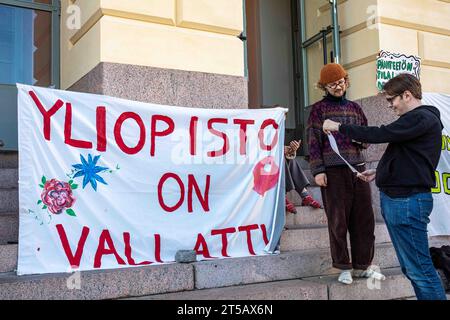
334, 146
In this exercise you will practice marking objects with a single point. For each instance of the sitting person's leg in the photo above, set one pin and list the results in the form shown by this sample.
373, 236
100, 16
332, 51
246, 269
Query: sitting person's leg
290, 207
300, 182
308, 200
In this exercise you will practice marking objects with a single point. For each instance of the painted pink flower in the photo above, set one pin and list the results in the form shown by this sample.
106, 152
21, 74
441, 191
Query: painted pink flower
265, 175
57, 196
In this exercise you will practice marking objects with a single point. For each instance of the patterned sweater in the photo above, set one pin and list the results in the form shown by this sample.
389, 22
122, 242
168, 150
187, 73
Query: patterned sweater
320, 152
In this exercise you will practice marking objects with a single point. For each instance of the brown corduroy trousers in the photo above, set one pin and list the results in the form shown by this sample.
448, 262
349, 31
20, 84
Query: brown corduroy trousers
348, 206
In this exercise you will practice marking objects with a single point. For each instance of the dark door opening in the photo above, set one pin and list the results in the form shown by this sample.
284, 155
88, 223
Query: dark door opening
288, 41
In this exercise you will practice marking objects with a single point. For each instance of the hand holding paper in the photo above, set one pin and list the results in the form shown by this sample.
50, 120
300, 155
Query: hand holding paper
366, 176
330, 126
335, 148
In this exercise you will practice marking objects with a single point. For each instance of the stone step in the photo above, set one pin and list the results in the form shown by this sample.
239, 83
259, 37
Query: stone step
277, 290
439, 241
137, 282
313, 237
247, 270
415, 298
9, 200
285, 266
396, 286
8, 257
9, 178
306, 216
9, 228
95, 285
8, 159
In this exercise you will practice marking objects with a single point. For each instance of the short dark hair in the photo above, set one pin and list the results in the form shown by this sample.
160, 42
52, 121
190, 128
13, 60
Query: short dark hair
403, 82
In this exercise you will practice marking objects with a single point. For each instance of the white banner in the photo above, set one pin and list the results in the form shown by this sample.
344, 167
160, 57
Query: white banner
110, 183
440, 216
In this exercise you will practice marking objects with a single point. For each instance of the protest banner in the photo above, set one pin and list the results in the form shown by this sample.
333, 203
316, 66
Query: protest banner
110, 183
440, 216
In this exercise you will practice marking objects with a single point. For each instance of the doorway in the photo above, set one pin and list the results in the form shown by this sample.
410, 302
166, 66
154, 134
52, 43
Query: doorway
287, 43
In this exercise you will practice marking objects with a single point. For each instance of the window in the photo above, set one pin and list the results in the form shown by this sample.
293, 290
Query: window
29, 54
29, 43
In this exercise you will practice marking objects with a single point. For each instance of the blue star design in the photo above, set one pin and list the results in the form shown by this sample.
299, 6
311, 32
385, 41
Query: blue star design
89, 171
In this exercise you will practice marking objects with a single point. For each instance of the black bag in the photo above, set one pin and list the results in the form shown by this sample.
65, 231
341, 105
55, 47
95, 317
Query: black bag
441, 260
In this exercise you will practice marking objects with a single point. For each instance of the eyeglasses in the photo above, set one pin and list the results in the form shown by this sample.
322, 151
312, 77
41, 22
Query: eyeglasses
391, 99
335, 85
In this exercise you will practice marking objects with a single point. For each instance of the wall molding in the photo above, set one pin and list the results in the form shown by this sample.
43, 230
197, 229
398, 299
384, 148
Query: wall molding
397, 23
101, 12
434, 63
373, 58
208, 28
180, 22
415, 26
354, 29
388, 21
360, 62
86, 27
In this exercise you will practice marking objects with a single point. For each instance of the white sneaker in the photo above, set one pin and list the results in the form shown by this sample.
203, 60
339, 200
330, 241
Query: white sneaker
346, 277
370, 273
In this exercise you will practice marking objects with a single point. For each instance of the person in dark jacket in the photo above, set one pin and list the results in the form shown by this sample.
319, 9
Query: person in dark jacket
405, 176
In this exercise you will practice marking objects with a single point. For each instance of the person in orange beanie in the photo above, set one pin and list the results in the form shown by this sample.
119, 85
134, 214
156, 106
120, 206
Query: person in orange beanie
347, 199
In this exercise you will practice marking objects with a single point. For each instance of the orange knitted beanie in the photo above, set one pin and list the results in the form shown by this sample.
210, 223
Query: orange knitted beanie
331, 72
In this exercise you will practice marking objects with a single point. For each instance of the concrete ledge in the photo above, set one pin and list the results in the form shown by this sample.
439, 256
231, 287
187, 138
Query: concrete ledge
395, 286
310, 238
439, 241
9, 227
9, 178
415, 298
8, 257
239, 271
9, 200
280, 290
143, 281
105, 284
9, 159
285, 266
306, 216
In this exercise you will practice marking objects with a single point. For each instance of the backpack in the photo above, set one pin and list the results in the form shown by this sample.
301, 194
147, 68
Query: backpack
441, 261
